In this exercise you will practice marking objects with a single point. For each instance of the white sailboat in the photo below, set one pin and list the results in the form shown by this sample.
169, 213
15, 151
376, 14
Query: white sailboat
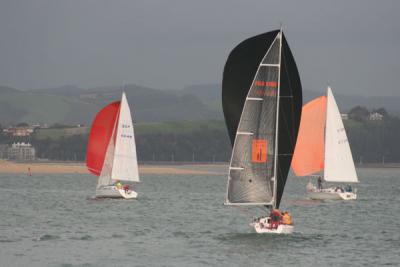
111, 153
262, 150
322, 145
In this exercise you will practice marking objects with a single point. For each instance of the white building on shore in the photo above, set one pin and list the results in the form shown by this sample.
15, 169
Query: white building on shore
21, 151
375, 116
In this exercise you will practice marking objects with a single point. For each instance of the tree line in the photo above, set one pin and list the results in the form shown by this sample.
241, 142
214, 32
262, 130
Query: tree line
371, 141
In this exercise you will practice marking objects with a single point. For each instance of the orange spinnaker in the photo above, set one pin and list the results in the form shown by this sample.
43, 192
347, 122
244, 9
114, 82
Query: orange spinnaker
308, 155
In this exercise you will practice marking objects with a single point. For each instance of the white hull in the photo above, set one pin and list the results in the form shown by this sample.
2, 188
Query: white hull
262, 226
113, 192
332, 193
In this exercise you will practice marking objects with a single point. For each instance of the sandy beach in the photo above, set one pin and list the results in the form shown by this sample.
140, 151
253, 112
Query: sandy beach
61, 167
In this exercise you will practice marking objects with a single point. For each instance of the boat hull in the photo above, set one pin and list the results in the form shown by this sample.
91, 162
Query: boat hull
262, 226
331, 194
113, 192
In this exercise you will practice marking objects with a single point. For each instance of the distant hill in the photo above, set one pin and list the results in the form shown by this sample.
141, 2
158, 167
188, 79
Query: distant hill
152, 105
21, 106
66, 90
347, 102
72, 105
211, 94
5, 89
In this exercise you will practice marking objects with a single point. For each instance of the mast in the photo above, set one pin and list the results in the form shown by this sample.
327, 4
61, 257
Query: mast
326, 120
277, 121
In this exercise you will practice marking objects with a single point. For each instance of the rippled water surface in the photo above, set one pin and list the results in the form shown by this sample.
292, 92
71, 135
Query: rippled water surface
180, 220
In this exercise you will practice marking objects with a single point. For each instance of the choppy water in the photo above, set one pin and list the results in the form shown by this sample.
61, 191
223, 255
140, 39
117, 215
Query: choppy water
51, 220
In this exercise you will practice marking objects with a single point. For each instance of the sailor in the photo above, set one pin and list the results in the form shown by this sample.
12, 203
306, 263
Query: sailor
118, 184
348, 188
339, 189
319, 181
286, 218
126, 188
275, 218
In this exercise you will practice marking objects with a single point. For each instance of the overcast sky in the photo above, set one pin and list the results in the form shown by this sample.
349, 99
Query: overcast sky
168, 44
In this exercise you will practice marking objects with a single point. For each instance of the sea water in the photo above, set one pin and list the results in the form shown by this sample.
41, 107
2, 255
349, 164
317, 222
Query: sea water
180, 220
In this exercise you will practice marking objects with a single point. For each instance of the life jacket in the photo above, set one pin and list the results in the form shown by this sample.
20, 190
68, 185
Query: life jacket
287, 219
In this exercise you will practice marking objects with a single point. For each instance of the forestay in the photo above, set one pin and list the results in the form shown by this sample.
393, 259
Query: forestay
251, 170
339, 165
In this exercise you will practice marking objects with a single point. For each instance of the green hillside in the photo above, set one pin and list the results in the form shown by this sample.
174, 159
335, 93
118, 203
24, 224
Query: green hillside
57, 133
43, 108
73, 105
186, 127
179, 127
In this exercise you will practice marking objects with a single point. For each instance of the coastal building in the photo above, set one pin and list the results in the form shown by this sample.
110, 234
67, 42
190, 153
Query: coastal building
3, 151
19, 131
21, 151
344, 116
375, 116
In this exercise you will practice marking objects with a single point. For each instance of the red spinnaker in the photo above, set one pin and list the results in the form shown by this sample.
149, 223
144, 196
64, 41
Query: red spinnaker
99, 137
308, 155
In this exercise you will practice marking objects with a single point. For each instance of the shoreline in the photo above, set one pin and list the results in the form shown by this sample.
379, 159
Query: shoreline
10, 167
178, 168
378, 165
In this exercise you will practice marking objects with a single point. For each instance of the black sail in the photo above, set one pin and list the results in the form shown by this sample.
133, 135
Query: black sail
244, 75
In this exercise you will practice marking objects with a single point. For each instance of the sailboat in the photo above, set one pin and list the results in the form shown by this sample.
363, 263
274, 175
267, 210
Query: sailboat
322, 145
262, 99
111, 151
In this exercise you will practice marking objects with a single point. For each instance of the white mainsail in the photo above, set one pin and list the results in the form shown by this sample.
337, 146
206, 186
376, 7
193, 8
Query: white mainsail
125, 165
339, 164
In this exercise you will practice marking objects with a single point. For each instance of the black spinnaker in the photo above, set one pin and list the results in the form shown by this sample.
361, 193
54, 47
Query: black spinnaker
250, 68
